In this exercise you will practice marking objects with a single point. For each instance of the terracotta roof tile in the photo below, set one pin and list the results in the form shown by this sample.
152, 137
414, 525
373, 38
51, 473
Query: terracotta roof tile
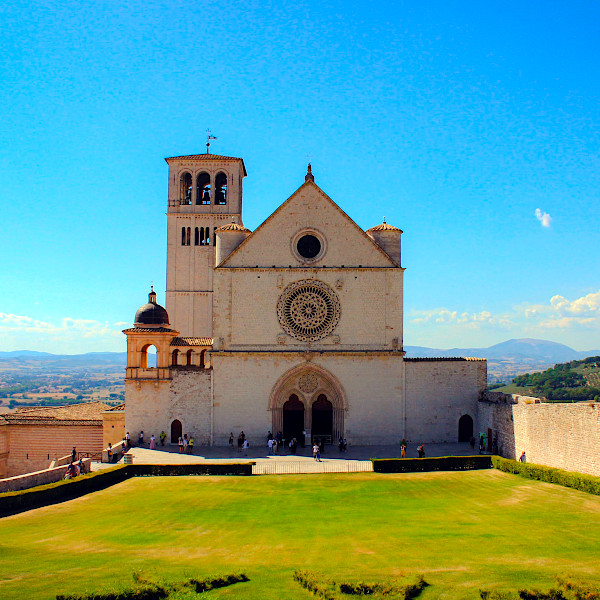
233, 227
84, 413
148, 330
192, 341
384, 227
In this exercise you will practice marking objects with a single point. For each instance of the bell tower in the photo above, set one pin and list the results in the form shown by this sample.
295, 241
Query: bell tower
205, 192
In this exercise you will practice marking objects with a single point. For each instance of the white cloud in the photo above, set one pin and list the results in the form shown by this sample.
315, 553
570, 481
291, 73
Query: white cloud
543, 217
69, 335
581, 314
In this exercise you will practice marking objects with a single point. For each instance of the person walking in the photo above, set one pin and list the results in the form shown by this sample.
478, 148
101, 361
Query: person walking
421, 450
245, 446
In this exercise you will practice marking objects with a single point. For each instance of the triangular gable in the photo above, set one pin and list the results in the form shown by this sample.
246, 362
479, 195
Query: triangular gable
308, 207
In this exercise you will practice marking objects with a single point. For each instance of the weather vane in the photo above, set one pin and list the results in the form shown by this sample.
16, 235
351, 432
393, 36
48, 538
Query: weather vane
209, 136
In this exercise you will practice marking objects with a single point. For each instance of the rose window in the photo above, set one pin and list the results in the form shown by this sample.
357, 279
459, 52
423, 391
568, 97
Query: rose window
308, 310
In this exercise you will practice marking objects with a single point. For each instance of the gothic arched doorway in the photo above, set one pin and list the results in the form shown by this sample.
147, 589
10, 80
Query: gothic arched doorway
322, 419
293, 419
176, 430
465, 428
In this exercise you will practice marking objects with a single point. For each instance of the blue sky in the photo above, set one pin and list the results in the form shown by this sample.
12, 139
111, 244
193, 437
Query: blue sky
472, 126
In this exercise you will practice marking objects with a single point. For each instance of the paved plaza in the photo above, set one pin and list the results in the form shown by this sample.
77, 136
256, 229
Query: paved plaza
356, 458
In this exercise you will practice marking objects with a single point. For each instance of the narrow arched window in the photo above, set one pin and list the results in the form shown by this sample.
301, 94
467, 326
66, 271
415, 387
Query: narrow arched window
185, 188
189, 355
148, 356
203, 189
221, 188
188, 237
196, 237
202, 354
183, 236
174, 358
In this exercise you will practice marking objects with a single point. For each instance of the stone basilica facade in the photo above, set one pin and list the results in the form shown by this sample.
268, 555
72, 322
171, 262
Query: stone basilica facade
295, 327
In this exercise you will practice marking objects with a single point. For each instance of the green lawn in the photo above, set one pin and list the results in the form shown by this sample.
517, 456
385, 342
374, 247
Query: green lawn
462, 531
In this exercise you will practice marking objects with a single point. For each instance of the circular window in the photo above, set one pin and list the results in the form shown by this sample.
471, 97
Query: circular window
308, 310
308, 246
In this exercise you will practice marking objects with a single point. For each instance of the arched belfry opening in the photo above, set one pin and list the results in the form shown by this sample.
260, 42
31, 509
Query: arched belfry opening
221, 188
314, 395
185, 188
203, 188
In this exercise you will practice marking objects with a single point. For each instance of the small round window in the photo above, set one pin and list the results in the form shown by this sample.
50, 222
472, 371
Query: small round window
308, 246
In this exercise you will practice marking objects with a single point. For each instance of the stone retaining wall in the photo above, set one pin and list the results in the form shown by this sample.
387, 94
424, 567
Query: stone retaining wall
561, 435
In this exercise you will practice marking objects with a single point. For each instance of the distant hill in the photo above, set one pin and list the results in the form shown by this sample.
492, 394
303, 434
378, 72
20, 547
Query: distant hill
574, 381
47, 359
505, 360
510, 358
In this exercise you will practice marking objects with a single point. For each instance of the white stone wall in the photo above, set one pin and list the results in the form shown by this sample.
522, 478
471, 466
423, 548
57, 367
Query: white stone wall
438, 393
309, 207
152, 406
372, 387
245, 308
561, 435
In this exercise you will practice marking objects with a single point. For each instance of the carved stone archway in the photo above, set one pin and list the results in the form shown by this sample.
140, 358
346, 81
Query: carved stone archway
308, 382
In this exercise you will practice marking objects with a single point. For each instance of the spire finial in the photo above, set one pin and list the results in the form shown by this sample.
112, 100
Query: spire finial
152, 296
209, 136
384, 219
309, 176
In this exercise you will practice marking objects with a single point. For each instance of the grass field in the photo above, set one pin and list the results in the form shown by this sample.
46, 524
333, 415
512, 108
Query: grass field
462, 531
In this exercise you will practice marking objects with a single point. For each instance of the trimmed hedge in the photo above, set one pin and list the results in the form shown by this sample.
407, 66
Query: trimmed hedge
438, 463
12, 503
577, 481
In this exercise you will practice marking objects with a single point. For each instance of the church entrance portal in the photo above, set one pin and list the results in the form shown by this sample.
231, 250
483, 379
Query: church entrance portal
322, 419
465, 428
293, 419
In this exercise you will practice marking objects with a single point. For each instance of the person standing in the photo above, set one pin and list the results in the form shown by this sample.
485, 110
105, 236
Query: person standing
163, 437
270, 445
152, 442
523, 458
421, 450
180, 444
403, 447
191, 445
73, 455
316, 453
127, 441
141, 439
245, 446
231, 440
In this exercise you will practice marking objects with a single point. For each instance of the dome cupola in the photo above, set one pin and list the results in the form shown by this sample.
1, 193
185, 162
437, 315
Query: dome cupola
151, 314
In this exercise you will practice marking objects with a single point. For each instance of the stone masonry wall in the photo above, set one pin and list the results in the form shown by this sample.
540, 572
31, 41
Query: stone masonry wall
438, 394
565, 436
151, 406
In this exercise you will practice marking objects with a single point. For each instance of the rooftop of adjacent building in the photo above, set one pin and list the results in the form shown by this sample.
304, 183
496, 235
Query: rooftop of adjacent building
88, 412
